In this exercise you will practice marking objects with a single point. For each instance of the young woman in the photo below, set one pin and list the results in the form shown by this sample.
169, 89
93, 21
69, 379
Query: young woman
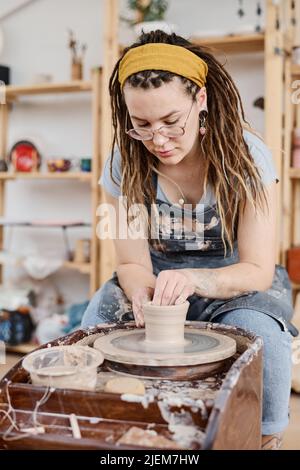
183, 151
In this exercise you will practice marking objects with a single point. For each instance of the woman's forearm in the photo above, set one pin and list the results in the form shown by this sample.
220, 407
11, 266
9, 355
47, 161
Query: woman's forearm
134, 276
230, 281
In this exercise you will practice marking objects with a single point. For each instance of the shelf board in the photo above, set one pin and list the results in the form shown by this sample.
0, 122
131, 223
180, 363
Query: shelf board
294, 173
296, 70
84, 176
13, 91
233, 44
24, 348
84, 268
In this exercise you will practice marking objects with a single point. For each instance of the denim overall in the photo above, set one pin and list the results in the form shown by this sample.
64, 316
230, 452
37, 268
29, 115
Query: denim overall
265, 313
179, 250
208, 251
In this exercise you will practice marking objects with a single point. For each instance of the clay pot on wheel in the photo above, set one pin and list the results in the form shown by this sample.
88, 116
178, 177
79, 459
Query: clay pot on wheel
164, 324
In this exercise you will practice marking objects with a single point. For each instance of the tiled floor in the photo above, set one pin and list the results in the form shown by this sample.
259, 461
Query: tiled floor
292, 435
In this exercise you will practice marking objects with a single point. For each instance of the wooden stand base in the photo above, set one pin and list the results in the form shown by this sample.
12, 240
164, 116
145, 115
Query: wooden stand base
224, 410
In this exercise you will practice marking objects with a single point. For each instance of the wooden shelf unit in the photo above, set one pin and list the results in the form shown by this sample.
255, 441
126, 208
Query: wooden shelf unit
294, 173
94, 87
80, 175
12, 92
84, 268
233, 44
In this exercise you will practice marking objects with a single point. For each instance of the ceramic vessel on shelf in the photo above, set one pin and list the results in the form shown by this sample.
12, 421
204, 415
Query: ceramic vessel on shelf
58, 164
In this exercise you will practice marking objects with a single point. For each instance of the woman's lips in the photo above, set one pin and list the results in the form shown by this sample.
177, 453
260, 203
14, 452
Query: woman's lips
167, 153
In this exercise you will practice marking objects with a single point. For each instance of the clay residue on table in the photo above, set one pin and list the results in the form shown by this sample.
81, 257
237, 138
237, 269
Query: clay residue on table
181, 402
178, 401
147, 437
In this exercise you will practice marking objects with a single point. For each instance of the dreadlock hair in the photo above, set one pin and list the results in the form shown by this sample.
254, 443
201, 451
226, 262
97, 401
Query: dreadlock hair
229, 166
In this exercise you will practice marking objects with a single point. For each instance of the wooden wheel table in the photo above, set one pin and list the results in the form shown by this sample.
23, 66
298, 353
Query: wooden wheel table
185, 406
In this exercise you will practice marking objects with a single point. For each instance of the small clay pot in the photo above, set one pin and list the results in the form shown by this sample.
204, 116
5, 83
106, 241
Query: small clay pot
164, 324
59, 164
76, 72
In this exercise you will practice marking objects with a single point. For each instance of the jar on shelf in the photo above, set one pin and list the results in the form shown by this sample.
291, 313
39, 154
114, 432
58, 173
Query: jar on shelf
76, 71
296, 148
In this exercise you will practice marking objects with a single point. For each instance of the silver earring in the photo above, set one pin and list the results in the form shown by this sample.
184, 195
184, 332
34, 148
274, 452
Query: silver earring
202, 121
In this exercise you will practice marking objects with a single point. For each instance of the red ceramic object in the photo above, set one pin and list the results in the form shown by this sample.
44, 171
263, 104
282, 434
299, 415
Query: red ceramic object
25, 157
293, 264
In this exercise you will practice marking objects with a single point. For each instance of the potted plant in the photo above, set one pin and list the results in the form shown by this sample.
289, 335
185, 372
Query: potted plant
149, 16
78, 51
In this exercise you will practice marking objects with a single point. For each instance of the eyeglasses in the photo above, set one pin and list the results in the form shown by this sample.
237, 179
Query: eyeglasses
139, 133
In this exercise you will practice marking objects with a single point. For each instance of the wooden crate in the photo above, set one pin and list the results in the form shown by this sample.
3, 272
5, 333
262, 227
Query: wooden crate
221, 418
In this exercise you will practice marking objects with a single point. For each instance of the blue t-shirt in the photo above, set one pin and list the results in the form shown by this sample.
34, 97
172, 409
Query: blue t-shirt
260, 152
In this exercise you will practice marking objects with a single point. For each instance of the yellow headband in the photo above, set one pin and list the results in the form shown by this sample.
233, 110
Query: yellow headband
160, 56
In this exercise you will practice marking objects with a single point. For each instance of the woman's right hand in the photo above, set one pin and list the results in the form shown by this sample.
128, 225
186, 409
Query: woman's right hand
139, 297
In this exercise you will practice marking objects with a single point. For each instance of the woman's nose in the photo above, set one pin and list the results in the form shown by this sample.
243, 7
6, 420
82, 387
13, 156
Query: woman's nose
159, 140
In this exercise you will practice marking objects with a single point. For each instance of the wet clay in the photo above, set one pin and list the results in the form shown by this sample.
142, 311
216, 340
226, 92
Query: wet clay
164, 324
148, 438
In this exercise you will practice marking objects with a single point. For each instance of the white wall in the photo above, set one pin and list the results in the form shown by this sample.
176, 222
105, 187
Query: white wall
36, 42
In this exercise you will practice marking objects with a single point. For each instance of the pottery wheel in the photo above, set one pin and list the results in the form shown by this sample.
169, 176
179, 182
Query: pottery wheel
199, 347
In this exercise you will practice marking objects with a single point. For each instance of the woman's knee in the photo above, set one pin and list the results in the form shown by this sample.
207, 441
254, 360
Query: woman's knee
109, 304
276, 364
274, 337
252, 320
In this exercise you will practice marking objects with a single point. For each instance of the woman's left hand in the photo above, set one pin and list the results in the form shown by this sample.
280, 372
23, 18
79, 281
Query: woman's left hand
172, 287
